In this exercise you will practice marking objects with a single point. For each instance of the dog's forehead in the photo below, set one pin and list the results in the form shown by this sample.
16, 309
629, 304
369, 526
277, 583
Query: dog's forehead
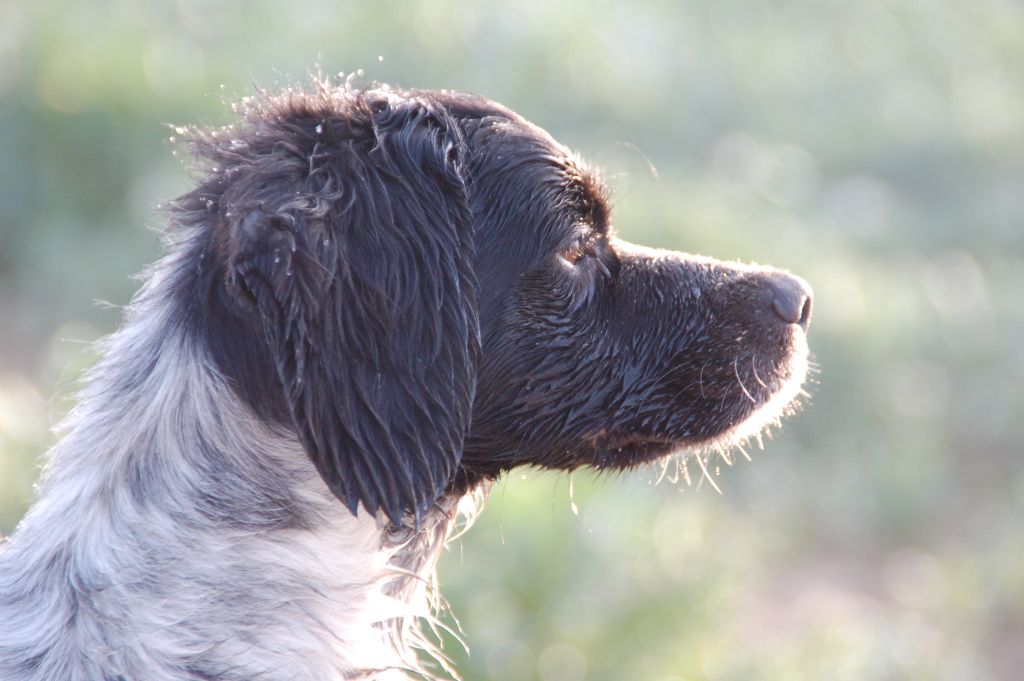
536, 187
515, 153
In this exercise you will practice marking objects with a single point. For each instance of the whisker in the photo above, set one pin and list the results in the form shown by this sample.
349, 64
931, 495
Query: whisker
743, 451
707, 475
753, 365
736, 371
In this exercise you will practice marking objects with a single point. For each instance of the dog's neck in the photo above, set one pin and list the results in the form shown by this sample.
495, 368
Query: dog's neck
176, 536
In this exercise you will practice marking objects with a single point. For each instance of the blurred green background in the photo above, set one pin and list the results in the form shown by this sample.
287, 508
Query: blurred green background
876, 148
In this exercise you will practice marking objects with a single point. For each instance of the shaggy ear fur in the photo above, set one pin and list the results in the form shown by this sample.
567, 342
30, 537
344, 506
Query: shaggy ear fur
360, 279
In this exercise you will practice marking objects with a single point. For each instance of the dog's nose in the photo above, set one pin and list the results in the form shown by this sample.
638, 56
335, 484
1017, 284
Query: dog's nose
791, 299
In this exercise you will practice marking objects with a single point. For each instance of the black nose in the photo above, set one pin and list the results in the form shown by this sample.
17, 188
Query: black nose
791, 299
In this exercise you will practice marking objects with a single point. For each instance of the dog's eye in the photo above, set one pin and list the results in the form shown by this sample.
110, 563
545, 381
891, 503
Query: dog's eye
581, 248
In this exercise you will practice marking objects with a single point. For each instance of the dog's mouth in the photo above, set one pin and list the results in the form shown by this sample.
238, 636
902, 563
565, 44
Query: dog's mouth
771, 406
752, 403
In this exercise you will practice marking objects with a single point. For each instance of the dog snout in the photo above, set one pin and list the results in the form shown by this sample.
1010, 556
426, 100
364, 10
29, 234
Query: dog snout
791, 299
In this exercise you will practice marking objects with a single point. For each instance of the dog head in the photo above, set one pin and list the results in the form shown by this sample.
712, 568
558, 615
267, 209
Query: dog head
427, 290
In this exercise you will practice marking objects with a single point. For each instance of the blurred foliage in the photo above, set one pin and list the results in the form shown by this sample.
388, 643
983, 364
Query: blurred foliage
875, 147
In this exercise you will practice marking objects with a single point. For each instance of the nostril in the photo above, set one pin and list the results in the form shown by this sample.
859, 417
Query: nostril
805, 314
791, 299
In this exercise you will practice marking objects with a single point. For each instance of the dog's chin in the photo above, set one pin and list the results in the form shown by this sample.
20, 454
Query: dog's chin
756, 414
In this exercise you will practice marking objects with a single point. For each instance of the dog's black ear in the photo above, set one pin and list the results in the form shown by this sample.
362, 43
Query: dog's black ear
361, 280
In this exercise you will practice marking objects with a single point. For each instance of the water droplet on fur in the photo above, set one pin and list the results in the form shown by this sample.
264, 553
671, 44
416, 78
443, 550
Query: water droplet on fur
327, 242
209, 204
180, 130
277, 259
319, 128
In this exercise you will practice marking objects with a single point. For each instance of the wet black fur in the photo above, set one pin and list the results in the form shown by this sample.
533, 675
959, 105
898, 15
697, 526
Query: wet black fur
425, 288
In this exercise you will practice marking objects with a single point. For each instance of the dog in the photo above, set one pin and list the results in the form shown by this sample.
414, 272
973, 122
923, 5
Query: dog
374, 302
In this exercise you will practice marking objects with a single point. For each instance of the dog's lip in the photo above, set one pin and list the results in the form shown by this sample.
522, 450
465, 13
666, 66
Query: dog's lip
628, 450
617, 442
634, 439
766, 407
